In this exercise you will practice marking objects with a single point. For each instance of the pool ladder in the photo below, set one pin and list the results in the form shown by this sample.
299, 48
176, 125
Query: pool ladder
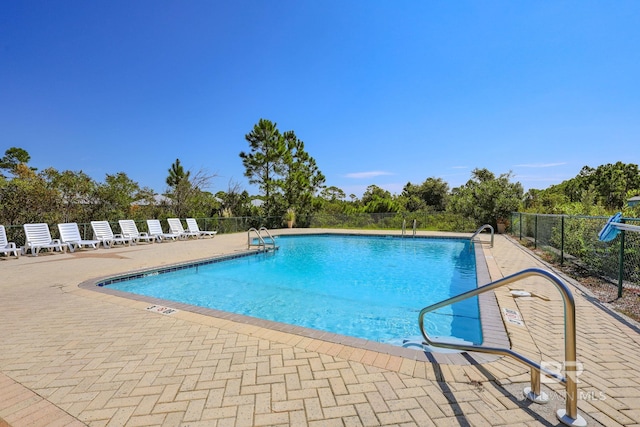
264, 243
568, 416
479, 230
404, 227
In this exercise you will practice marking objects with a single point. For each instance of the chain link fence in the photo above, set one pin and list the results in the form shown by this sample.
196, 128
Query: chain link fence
435, 221
574, 239
440, 221
15, 233
567, 239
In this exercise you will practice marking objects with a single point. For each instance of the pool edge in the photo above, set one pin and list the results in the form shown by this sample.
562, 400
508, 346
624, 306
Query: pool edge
351, 348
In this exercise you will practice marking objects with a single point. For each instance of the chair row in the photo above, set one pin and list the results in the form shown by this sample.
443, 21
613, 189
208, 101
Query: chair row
38, 236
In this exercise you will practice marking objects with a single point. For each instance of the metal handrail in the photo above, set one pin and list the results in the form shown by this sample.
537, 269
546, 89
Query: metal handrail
273, 241
261, 240
626, 227
568, 416
404, 227
479, 230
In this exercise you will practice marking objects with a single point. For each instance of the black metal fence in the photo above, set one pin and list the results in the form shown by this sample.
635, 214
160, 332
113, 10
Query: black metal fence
15, 233
575, 239
440, 221
567, 238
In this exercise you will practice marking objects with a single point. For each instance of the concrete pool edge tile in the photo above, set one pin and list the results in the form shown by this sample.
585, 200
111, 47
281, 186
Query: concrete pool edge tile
284, 333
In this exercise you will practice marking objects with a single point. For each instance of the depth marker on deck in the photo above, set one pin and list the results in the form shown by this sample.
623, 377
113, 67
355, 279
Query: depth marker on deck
162, 310
512, 316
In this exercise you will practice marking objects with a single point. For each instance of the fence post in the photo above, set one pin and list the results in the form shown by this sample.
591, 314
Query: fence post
535, 234
562, 241
520, 225
621, 263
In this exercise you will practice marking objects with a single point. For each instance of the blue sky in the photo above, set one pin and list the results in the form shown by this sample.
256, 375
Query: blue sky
381, 92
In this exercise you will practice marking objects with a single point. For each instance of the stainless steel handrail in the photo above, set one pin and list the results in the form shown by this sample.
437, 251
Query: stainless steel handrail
568, 416
404, 227
273, 241
261, 240
626, 227
479, 230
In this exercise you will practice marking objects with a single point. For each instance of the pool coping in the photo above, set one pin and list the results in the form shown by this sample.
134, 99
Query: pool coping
493, 329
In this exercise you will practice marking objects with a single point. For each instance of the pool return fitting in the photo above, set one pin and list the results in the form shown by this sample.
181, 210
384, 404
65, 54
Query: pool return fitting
568, 416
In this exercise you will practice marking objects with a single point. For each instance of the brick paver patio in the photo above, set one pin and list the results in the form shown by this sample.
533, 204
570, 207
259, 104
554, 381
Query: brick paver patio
71, 356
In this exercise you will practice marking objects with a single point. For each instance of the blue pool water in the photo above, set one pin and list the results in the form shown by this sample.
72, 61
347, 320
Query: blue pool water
361, 286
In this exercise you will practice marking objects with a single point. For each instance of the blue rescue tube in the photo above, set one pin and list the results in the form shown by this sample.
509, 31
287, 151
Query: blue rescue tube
609, 232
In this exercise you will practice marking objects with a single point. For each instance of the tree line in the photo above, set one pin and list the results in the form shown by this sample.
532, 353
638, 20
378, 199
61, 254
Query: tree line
594, 191
52, 196
290, 184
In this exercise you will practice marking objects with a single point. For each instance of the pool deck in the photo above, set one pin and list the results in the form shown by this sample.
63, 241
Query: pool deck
72, 356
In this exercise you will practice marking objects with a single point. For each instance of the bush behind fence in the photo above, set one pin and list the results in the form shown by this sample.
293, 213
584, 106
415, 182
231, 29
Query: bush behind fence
575, 239
440, 221
567, 238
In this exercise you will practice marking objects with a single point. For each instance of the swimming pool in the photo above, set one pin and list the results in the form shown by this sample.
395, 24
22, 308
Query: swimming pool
368, 287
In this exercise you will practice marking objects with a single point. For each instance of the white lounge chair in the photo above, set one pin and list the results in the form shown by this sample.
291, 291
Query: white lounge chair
192, 226
102, 231
175, 227
155, 229
7, 247
130, 229
70, 234
38, 236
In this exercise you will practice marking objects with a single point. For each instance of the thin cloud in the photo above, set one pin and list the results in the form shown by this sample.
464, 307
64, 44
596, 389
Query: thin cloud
541, 165
537, 178
367, 175
542, 178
